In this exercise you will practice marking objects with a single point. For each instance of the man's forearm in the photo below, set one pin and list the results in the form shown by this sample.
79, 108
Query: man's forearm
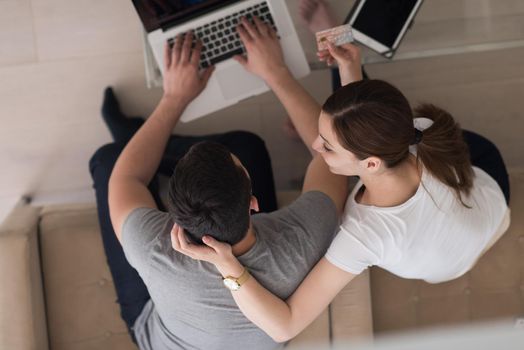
299, 104
142, 155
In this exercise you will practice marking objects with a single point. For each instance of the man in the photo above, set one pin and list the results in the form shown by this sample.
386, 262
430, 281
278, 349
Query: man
188, 306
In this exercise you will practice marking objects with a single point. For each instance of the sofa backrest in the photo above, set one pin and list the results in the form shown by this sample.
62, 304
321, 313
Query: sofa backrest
22, 315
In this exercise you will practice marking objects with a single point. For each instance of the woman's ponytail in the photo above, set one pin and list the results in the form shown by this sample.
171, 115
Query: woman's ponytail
443, 152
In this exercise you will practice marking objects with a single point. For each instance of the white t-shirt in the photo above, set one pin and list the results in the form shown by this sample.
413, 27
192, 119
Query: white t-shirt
432, 236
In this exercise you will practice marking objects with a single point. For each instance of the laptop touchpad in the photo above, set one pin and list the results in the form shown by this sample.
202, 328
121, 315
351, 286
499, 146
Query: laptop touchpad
235, 81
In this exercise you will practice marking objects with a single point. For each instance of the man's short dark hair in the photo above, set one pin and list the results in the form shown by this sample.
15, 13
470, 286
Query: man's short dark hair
209, 194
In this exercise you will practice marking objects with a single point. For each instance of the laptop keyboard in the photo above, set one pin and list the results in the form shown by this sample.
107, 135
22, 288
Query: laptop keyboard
220, 38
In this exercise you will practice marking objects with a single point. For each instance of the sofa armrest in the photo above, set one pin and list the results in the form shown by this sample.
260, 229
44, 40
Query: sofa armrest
351, 315
22, 309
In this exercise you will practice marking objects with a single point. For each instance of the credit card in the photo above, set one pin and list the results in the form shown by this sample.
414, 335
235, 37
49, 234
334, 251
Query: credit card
338, 36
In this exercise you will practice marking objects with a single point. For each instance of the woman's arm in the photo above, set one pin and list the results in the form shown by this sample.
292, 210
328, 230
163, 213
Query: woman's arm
348, 59
281, 320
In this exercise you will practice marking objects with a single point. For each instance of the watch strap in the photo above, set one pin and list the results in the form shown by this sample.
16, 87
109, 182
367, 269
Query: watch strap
243, 277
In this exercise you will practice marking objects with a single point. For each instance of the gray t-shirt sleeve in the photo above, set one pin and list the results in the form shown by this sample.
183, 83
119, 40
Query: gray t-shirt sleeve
139, 232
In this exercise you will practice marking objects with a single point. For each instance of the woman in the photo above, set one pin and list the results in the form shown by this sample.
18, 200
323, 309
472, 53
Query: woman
420, 209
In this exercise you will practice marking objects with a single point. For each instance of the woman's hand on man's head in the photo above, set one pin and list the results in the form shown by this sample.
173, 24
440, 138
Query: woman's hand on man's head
217, 253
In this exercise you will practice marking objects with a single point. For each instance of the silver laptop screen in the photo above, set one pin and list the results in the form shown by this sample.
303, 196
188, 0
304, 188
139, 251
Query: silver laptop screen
164, 14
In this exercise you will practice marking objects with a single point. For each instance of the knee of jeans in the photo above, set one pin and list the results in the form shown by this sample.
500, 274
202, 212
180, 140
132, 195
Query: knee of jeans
106, 156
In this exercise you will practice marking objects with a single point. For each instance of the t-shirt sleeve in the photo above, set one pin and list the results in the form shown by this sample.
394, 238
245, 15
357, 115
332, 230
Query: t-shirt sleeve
354, 249
139, 231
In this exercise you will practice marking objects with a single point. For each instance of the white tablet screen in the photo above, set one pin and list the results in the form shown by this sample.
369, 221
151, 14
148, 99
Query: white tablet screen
383, 20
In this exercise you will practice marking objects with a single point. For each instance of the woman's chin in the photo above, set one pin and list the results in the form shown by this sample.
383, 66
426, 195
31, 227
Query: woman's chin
339, 171
336, 171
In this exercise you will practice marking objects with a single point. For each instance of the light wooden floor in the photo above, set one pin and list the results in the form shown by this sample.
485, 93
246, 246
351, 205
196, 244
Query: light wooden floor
56, 57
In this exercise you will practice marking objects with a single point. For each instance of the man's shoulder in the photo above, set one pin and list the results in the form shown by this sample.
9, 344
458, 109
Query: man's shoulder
309, 204
310, 213
144, 220
140, 229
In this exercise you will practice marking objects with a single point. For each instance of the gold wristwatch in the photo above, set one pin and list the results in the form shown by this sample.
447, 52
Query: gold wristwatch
233, 283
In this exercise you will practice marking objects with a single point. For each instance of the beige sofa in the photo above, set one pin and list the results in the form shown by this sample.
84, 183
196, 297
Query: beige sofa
57, 291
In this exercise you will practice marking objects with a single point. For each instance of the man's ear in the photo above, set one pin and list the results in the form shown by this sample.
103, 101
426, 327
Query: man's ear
253, 204
372, 164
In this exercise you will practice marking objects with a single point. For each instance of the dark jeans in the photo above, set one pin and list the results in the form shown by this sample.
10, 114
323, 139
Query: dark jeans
483, 153
131, 291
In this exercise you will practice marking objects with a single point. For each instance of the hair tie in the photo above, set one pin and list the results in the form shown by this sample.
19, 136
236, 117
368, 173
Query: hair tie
417, 138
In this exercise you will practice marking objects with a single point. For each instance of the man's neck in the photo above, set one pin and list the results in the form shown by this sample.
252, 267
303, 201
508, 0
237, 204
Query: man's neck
246, 243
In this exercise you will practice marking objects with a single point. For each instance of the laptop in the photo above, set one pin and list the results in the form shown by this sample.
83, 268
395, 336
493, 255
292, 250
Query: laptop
214, 23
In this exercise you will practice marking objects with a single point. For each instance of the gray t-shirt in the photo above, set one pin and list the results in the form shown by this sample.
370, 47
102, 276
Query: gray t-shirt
189, 307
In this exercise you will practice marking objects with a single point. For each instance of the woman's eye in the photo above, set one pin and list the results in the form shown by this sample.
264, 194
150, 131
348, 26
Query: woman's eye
326, 148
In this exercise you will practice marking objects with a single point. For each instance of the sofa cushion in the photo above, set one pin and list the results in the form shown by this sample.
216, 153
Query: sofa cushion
82, 312
493, 289
350, 312
22, 316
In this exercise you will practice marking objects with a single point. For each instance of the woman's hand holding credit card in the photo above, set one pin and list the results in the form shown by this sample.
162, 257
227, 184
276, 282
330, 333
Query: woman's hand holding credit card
335, 45
338, 36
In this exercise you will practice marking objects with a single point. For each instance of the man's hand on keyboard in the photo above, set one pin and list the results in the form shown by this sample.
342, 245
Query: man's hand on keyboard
264, 54
182, 79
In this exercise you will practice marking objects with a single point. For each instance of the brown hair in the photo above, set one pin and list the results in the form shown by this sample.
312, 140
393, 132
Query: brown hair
373, 118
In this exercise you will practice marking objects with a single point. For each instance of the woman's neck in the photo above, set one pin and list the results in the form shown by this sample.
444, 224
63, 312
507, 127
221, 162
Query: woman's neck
393, 187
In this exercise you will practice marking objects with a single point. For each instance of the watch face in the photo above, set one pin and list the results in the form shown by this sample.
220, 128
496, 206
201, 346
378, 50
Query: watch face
231, 284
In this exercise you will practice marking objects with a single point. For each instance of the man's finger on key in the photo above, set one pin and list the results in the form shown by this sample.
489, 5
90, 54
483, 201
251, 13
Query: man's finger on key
261, 26
175, 51
272, 33
243, 34
253, 32
167, 56
186, 47
195, 53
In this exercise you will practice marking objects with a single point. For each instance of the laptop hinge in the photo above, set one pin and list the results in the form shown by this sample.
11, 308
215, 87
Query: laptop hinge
197, 13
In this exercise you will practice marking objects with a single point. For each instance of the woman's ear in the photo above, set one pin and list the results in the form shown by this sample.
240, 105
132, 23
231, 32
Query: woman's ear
372, 164
253, 204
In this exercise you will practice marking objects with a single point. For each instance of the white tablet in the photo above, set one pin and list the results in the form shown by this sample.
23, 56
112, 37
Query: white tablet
381, 24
